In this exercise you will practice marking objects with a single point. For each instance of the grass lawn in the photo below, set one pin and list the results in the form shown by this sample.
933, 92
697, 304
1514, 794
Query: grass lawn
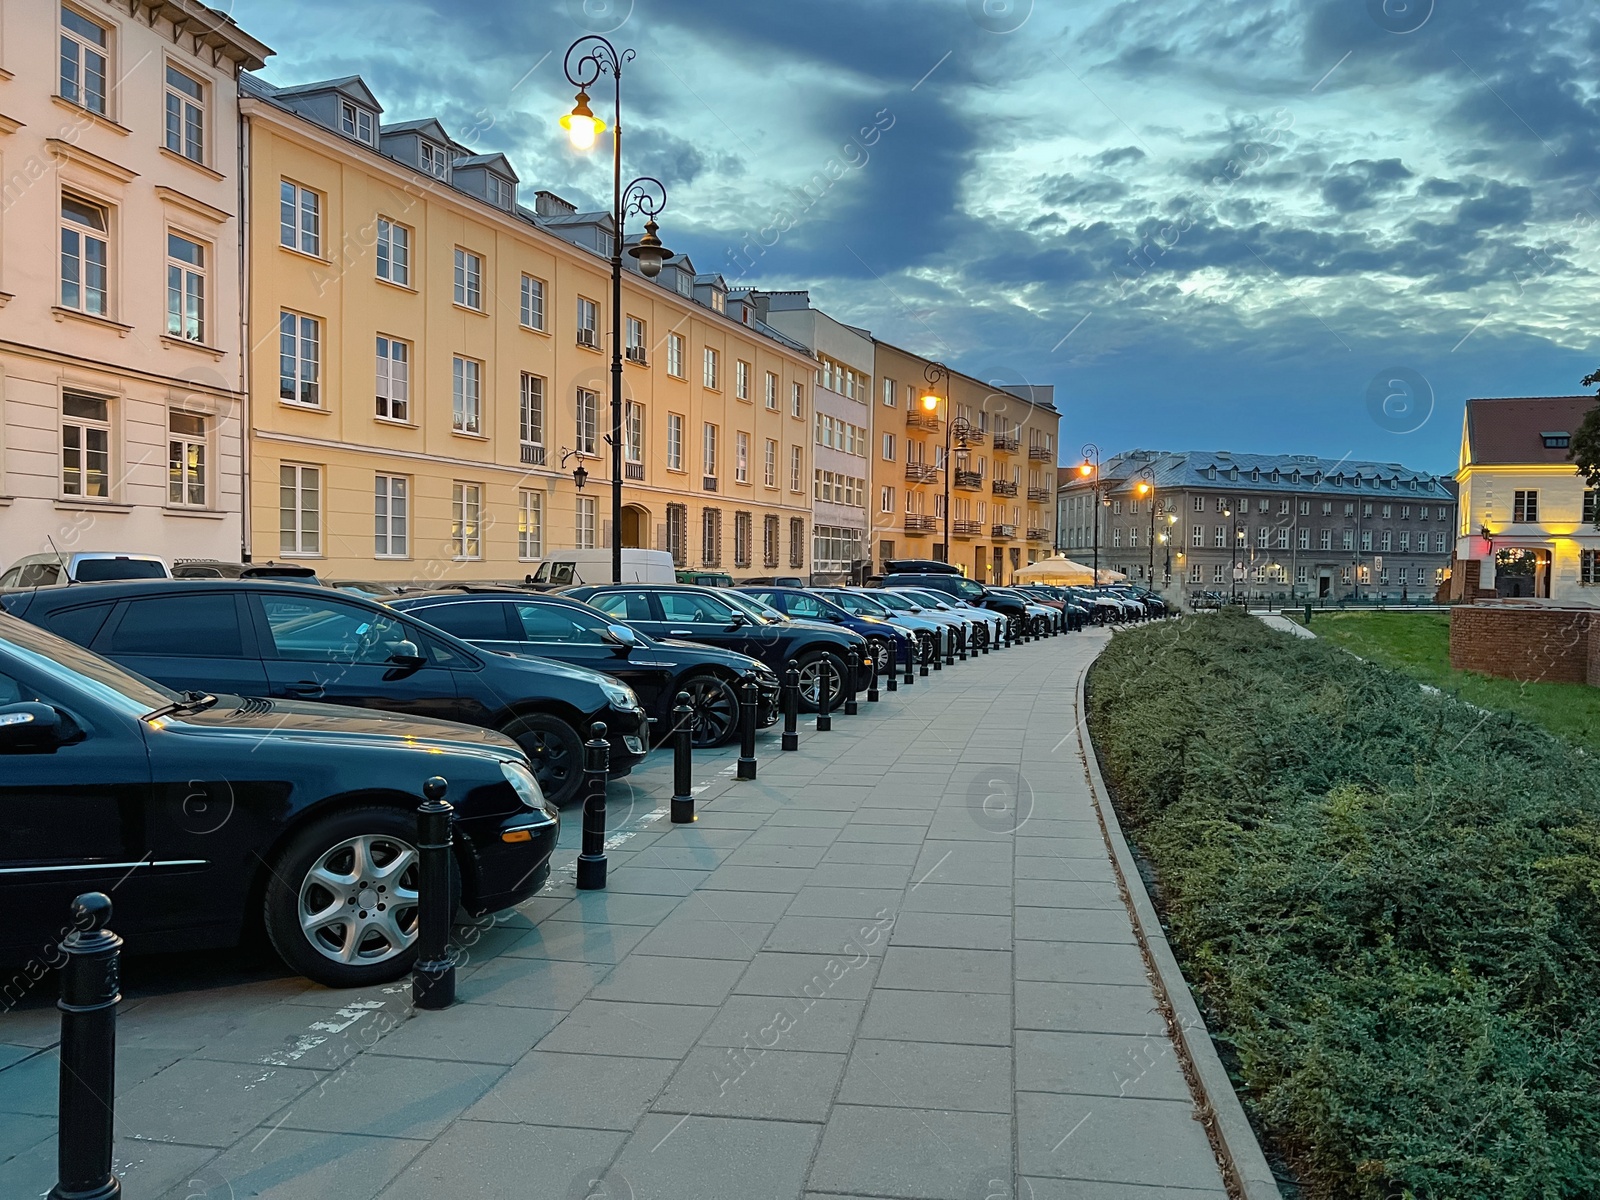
1418, 643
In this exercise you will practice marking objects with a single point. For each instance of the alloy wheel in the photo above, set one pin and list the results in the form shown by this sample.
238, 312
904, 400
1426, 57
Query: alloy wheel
716, 711
358, 901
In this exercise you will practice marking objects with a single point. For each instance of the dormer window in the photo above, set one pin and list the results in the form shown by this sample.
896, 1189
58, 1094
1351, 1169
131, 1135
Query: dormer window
356, 122
501, 193
1556, 441
719, 302
685, 284
434, 160
604, 242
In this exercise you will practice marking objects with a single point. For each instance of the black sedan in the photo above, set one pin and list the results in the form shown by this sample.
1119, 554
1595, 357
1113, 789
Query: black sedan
204, 815
734, 622
889, 643
293, 642
569, 631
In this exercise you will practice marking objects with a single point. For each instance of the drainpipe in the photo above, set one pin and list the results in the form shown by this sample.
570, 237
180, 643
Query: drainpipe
245, 426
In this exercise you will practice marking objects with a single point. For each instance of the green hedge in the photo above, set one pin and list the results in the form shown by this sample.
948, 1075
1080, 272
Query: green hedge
1389, 900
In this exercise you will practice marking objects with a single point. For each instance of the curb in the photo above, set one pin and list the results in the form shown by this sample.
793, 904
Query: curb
1239, 1153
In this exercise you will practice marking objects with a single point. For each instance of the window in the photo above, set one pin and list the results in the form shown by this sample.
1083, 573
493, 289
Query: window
466, 513
888, 447
685, 283
332, 631
186, 459
1366, 540
186, 120
1366, 511
390, 516
469, 280
769, 541
633, 431
83, 61
1591, 506
797, 541
1347, 540
886, 499
1305, 539
1438, 543
583, 523
532, 302
85, 446
678, 533
299, 218
796, 468
186, 289
1197, 535
1405, 542
1283, 539
1388, 510
604, 243
299, 509
719, 302
636, 341
588, 412
674, 442
530, 420
1349, 510
394, 252
675, 356
530, 524
711, 537
1589, 567
394, 378
502, 194
1325, 540
356, 122
1220, 537
1217, 575
85, 262
1405, 512
741, 379
1302, 574
434, 160
710, 368
708, 450
889, 387
769, 464
1556, 441
1199, 503
1305, 508
743, 535
199, 626
588, 323
741, 457
1525, 507
299, 359
772, 395
1195, 575
797, 400
466, 395
1262, 536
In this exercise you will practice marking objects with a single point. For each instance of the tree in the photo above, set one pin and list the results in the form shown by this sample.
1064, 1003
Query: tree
1585, 449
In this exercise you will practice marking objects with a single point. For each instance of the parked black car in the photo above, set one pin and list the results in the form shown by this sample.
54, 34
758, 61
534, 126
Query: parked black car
287, 641
889, 643
970, 590
736, 622
572, 632
202, 815
211, 568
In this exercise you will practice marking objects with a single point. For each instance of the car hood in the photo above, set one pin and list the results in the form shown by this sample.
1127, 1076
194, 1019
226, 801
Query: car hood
544, 666
731, 659
306, 721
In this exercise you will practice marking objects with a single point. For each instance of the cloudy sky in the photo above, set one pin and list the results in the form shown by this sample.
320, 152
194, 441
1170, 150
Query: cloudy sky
1312, 226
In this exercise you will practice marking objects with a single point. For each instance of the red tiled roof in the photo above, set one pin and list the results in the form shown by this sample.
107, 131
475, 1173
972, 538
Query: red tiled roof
1509, 429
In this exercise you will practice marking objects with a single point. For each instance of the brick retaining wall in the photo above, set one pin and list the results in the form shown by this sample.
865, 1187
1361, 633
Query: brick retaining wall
1527, 642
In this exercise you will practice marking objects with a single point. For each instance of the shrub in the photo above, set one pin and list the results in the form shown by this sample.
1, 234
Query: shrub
1388, 900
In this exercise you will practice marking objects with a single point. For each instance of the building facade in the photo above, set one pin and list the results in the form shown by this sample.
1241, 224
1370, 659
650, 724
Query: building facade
431, 365
121, 397
1000, 477
1530, 524
1282, 526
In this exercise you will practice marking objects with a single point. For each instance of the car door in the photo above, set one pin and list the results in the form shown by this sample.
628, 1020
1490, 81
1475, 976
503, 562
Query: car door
202, 639
638, 608
341, 651
704, 619
571, 635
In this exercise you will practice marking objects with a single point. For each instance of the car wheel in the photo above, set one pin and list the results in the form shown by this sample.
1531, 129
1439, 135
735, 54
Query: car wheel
341, 898
716, 710
814, 668
882, 654
555, 751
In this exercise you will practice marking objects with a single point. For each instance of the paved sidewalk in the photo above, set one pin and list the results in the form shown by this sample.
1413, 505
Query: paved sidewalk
1283, 625
896, 965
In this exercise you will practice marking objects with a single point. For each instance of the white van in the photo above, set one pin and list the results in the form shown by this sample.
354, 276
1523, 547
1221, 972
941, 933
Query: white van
569, 568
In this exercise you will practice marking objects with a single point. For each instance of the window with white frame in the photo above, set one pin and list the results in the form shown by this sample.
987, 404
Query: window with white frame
1589, 567
299, 359
186, 288
530, 524
355, 121
84, 56
674, 442
85, 446
1220, 537
1305, 539
468, 279
743, 530
391, 516
532, 308
1347, 539
435, 161
185, 115
530, 419
888, 447
466, 395
797, 467
1438, 543
1325, 540
797, 400
502, 192
1196, 573
1524, 507
633, 431
393, 379
85, 256
588, 420
678, 533
588, 323
675, 355
466, 520
708, 450
711, 537
772, 391
889, 387
1283, 538
299, 218
299, 509
769, 541
741, 457
394, 252
635, 342
187, 441
583, 531
711, 364
741, 379
1197, 535
769, 464
886, 499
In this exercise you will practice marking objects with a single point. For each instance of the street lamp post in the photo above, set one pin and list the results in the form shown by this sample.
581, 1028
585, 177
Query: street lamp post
954, 427
1146, 489
645, 195
1091, 467
1237, 531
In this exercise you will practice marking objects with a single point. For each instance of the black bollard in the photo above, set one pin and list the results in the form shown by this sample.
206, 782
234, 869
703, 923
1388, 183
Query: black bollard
928, 649
913, 652
90, 993
892, 673
961, 643
433, 978
950, 648
791, 706
682, 761
596, 766
824, 696
852, 671
938, 654
877, 653
747, 728
988, 636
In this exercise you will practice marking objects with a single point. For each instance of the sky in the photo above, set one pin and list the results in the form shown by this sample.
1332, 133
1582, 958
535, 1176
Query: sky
1309, 227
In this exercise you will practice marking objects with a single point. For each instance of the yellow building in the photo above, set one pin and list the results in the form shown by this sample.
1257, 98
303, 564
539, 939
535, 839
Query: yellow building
429, 364
1001, 486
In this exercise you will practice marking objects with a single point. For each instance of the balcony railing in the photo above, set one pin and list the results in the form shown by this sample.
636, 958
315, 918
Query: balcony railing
1006, 441
1004, 487
969, 481
975, 436
708, 483
532, 456
966, 529
1038, 535
1038, 495
921, 472
921, 420
633, 471
1003, 531
917, 525
1041, 453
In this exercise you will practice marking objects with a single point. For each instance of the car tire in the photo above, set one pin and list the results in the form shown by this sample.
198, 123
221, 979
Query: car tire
812, 666
883, 654
330, 868
716, 707
555, 751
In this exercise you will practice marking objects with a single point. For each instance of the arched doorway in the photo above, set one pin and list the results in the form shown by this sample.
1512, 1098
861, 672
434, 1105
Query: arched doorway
636, 526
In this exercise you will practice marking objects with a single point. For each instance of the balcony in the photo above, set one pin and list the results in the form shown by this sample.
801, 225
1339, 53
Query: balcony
1038, 535
532, 456
921, 526
921, 420
634, 471
1002, 532
966, 529
708, 483
968, 481
1040, 453
974, 436
1038, 495
921, 472
1003, 487
1008, 442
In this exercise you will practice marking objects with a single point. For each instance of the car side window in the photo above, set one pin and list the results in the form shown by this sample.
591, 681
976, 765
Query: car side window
12, 692
470, 620
551, 623
42, 574
308, 630
79, 624
629, 606
686, 606
9, 579
799, 605
198, 626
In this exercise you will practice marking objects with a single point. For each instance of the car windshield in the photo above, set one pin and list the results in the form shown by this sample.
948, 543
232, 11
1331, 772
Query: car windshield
931, 600
900, 603
857, 603
98, 570
749, 605
47, 654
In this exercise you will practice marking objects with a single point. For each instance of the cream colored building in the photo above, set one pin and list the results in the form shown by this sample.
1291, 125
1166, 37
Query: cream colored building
120, 370
431, 362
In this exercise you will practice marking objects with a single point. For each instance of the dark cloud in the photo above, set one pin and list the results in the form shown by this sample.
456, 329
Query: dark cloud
1361, 184
1118, 154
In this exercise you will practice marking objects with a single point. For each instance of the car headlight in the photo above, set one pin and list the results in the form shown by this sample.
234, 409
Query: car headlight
526, 787
619, 695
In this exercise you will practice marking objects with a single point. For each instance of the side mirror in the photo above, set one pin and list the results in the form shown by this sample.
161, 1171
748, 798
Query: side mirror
32, 726
406, 654
620, 636
737, 620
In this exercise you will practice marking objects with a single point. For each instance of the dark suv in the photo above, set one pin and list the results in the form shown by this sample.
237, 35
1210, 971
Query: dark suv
285, 640
889, 643
954, 584
572, 632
